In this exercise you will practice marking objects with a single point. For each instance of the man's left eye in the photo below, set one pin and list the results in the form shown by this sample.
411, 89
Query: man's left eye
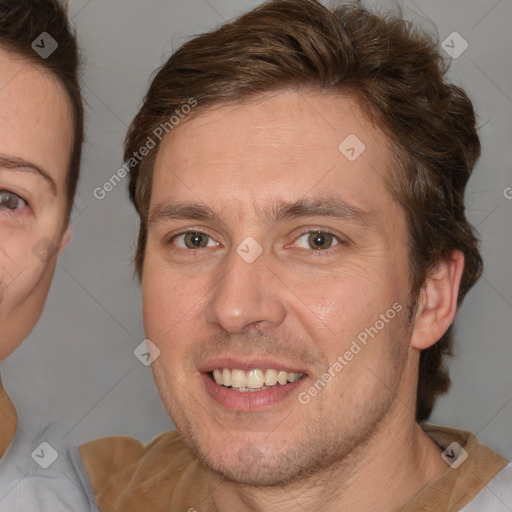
194, 240
318, 240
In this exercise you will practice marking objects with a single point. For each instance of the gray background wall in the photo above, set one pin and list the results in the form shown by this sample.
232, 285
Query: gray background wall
78, 365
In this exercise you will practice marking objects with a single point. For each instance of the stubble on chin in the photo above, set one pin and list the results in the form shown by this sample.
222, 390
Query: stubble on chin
322, 444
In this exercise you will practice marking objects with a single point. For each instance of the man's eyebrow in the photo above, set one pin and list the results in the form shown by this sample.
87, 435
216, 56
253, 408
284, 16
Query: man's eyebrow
18, 164
332, 206
176, 211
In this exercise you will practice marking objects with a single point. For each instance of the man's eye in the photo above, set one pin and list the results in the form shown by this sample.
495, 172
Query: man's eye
11, 201
318, 240
194, 240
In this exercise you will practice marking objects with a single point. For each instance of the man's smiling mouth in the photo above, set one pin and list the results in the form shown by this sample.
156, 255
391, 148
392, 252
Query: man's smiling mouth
253, 380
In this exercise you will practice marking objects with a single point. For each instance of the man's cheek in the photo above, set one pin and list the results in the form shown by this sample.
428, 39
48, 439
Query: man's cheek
170, 373
160, 305
167, 324
346, 287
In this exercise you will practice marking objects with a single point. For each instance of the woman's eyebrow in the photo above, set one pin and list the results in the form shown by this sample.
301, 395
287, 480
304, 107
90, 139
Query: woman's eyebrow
18, 164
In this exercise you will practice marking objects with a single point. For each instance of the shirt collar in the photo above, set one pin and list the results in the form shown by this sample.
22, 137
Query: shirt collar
460, 484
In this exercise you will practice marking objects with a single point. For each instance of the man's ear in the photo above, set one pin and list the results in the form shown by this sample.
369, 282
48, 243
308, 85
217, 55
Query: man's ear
437, 303
64, 241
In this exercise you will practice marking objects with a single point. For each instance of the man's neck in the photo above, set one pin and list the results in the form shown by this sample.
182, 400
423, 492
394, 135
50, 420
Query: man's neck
382, 475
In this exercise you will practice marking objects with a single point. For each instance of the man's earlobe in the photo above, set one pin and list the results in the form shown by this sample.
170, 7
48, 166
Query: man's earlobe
437, 303
66, 237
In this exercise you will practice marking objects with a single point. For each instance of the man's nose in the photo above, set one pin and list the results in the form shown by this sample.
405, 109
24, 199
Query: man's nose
247, 295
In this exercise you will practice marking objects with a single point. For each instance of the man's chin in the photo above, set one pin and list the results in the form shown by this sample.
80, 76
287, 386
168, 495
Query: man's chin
254, 466
257, 475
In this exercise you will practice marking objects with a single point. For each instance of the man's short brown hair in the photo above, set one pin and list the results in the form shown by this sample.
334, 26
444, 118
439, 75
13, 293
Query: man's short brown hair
21, 22
396, 73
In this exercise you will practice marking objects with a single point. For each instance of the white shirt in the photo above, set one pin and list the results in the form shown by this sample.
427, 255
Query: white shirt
36, 471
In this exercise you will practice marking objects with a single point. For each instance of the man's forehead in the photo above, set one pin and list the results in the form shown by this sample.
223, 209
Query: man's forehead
215, 157
309, 118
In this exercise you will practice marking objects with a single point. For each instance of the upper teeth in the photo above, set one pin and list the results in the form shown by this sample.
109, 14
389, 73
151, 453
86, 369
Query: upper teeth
253, 379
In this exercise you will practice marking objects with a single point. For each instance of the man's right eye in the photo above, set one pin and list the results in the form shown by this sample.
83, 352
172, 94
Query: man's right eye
193, 240
11, 201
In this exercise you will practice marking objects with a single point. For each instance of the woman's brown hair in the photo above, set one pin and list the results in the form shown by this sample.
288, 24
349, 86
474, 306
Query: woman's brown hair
21, 22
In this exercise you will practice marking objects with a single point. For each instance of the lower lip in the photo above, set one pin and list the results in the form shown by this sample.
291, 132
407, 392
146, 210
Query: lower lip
248, 401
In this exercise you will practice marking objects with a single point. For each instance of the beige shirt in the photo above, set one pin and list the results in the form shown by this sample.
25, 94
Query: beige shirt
8, 420
164, 476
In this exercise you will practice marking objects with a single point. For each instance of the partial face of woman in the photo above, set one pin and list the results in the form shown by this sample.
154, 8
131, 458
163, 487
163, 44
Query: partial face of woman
35, 145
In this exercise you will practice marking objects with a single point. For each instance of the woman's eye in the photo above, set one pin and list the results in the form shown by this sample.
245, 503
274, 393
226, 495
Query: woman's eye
318, 240
194, 240
11, 201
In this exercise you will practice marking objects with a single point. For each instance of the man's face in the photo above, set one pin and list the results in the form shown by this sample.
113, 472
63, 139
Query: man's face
35, 144
269, 251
